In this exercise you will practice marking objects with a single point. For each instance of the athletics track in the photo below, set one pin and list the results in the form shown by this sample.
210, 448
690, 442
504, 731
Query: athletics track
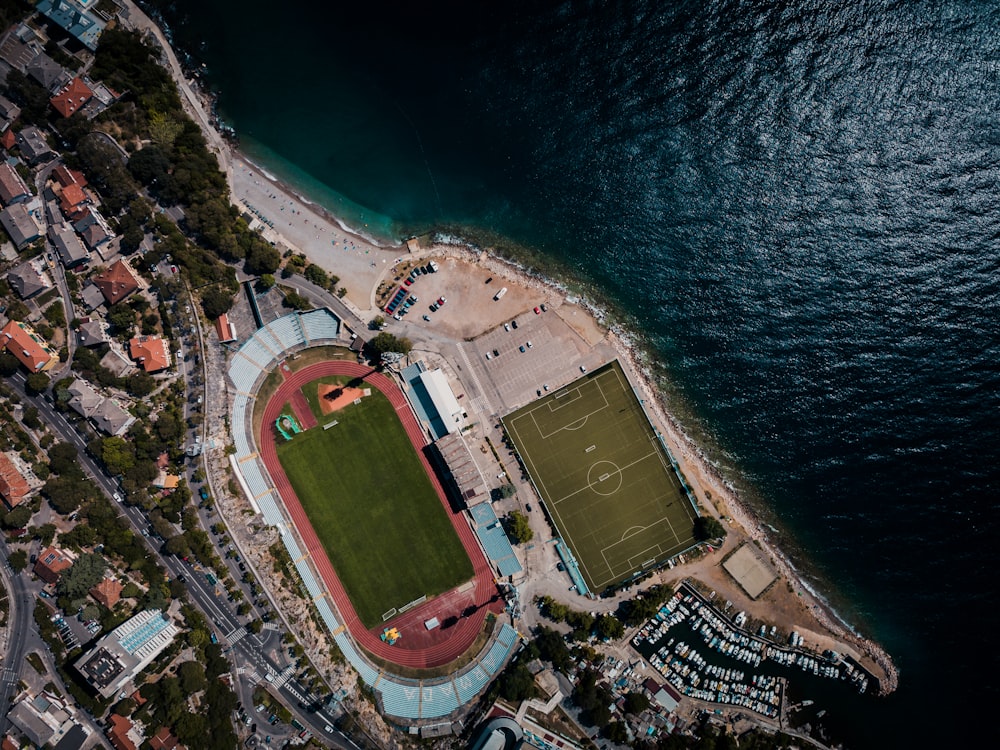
427, 648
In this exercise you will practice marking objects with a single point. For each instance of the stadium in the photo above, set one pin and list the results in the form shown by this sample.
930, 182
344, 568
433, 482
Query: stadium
338, 466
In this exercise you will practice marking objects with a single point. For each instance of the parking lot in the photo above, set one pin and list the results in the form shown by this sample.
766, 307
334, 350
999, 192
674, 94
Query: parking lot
554, 357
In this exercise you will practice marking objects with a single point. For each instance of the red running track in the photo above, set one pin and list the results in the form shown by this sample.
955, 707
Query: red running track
300, 406
444, 645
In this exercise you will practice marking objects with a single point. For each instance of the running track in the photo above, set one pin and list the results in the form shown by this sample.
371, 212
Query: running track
457, 639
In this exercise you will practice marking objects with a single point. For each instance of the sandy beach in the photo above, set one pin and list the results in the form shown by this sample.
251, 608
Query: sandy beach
292, 222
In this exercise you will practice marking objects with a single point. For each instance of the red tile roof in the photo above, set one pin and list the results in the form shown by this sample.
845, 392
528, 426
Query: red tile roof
117, 283
224, 328
8, 139
118, 733
51, 563
66, 176
71, 198
150, 352
29, 348
107, 592
164, 740
13, 486
11, 184
72, 97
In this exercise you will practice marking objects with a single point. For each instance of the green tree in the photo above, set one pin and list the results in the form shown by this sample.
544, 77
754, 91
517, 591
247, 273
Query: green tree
552, 648
18, 560
45, 533
63, 458
518, 527
375, 324
262, 258
616, 732
117, 455
636, 703
17, 518
215, 302
266, 281
192, 675
9, 364
608, 627
386, 342
708, 527
86, 572
30, 418
122, 318
36, 383
517, 683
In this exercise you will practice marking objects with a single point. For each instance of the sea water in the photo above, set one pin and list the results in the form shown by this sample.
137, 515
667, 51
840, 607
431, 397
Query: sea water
794, 208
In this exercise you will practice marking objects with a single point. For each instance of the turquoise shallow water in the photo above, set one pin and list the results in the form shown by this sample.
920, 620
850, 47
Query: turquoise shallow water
793, 205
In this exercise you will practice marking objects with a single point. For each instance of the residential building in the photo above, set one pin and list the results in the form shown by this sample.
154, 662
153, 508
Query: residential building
12, 187
47, 72
106, 414
8, 110
165, 740
72, 199
120, 655
14, 486
8, 140
66, 176
19, 45
33, 145
92, 297
47, 720
27, 280
117, 283
69, 247
108, 592
52, 562
31, 350
121, 733
78, 17
149, 352
20, 225
72, 97
225, 329
90, 333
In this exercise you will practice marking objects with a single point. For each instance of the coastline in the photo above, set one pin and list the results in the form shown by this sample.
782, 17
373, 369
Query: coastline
360, 271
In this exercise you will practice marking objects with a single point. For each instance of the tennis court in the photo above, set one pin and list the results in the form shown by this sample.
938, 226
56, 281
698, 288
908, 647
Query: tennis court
604, 476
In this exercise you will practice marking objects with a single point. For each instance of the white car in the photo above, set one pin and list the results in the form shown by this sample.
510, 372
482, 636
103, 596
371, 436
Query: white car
506, 326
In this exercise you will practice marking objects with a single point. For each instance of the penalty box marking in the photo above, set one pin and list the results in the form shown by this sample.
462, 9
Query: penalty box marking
579, 420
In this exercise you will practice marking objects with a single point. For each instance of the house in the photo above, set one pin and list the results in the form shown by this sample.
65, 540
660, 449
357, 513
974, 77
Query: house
105, 413
8, 140
8, 110
68, 245
107, 592
78, 17
46, 72
165, 740
66, 176
94, 235
51, 564
20, 225
12, 187
117, 283
111, 418
92, 297
47, 720
225, 329
72, 97
31, 350
149, 352
33, 145
27, 280
90, 333
72, 199
119, 730
18, 46
103, 97
14, 487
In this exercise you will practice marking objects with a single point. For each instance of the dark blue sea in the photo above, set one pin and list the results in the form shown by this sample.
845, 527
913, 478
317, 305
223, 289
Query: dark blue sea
794, 205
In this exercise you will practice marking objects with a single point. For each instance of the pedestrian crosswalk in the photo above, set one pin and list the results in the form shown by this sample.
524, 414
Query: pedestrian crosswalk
236, 635
284, 677
271, 626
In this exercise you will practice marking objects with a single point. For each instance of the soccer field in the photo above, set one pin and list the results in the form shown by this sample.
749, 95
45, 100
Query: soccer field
604, 476
374, 508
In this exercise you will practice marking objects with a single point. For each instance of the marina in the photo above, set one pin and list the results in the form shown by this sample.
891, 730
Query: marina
709, 656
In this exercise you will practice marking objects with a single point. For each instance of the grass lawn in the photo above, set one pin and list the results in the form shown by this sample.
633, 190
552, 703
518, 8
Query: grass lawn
604, 476
374, 508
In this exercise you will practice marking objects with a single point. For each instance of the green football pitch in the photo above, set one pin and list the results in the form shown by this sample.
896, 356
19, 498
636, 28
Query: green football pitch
372, 505
604, 476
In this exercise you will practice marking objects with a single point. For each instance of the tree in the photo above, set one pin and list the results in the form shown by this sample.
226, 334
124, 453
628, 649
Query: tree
616, 732
708, 527
117, 455
122, 318
18, 560
36, 383
552, 648
636, 703
386, 342
609, 627
266, 281
518, 527
17, 518
517, 683
30, 418
86, 572
215, 302
375, 324
45, 533
262, 258
296, 301
192, 675
9, 364
62, 458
